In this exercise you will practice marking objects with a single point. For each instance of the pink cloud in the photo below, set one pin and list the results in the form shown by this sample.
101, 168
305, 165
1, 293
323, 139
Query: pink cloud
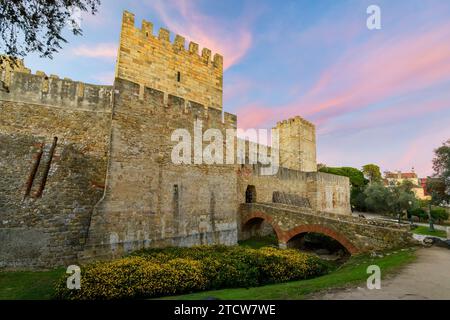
392, 114
371, 73
101, 50
254, 116
419, 152
236, 88
184, 18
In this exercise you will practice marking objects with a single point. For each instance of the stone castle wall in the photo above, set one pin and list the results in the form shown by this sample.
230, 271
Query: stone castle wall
87, 171
325, 192
47, 196
149, 201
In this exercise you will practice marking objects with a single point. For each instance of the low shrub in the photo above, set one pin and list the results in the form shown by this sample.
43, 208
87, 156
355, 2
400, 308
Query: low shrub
159, 272
439, 214
420, 213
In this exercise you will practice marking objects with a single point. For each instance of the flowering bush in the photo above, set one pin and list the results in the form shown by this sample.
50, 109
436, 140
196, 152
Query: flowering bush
159, 272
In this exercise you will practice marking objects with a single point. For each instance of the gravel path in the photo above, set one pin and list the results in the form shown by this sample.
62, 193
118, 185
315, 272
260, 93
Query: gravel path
426, 278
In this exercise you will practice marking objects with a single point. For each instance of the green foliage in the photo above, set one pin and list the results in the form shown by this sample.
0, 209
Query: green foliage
377, 197
395, 199
439, 214
356, 177
439, 186
358, 199
419, 212
401, 199
441, 161
353, 272
372, 172
438, 190
38, 26
159, 272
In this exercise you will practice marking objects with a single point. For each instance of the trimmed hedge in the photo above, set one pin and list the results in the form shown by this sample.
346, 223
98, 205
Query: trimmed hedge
438, 214
160, 272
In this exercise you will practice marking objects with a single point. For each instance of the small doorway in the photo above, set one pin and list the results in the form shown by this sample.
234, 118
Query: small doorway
250, 194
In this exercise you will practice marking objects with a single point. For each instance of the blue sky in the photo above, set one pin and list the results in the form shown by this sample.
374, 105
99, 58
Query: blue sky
376, 96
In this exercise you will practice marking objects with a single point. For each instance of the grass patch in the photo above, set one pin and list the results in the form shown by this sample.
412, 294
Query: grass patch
259, 242
426, 232
28, 285
352, 272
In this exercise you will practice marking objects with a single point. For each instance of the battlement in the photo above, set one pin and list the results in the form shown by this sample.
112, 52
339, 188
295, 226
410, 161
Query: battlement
135, 98
295, 120
156, 62
179, 43
23, 86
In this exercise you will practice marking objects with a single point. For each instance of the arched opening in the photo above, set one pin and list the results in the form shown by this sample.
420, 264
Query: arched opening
324, 246
257, 232
250, 194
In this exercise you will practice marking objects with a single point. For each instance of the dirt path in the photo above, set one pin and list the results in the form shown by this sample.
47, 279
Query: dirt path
426, 278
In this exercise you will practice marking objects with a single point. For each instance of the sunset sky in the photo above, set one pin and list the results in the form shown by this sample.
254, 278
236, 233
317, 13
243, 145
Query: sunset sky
380, 96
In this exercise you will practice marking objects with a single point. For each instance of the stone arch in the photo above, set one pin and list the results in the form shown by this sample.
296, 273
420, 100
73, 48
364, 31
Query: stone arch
288, 235
250, 194
256, 218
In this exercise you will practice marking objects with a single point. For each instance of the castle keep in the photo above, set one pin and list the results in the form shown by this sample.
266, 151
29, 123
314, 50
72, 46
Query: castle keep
86, 170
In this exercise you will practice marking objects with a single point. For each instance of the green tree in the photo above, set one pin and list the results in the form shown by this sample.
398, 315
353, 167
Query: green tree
372, 172
406, 186
401, 199
377, 198
438, 190
439, 184
37, 26
396, 200
356, 176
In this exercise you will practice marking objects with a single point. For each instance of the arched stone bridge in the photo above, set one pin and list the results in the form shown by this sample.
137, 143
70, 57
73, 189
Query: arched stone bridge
356, 234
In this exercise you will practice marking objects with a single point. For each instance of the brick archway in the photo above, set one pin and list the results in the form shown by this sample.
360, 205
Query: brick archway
288, 235
285, 236
268, 219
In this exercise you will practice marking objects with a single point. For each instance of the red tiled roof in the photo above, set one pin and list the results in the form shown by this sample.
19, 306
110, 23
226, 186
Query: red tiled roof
409, 175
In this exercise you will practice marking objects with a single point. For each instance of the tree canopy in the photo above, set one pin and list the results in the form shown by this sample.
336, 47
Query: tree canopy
37, 25
356, 176
395, 199
372, 172
439, 184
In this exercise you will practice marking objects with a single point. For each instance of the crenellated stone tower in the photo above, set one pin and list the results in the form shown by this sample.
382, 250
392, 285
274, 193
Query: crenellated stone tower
156, 62
297, 144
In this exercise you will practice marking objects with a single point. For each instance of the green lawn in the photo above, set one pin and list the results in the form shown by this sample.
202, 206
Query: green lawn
352, 272
27, 285
425, 231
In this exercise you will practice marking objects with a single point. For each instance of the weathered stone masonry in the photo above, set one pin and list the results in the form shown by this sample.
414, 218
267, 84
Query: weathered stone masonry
101, 155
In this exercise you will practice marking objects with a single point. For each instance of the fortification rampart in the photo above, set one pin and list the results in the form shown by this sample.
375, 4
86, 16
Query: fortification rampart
40, 89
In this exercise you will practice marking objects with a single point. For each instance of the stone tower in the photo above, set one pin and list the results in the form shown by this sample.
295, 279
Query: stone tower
156, 62
297, 144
